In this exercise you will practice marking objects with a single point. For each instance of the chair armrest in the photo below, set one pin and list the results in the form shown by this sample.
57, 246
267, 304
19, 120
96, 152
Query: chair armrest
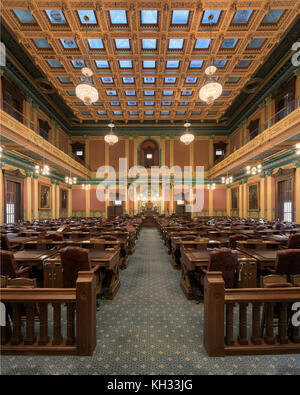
24, 269
96, 268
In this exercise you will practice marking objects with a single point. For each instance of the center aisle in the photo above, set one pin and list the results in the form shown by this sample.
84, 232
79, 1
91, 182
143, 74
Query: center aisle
150, 328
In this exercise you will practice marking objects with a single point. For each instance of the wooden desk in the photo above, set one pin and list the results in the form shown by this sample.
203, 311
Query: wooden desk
20, 241
108, 260
192, 261
33, 257
264, 251
177, 244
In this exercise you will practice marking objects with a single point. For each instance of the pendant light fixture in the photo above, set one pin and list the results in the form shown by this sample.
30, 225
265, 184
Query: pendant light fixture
212, 89
111, 138
86, 92
187, 137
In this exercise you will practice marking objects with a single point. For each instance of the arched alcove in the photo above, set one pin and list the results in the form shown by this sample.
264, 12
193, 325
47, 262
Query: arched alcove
149, 153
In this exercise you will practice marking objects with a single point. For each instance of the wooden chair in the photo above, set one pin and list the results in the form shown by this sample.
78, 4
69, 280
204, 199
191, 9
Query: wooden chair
9, 266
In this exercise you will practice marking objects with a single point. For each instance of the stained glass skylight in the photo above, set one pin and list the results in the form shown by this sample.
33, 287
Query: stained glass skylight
180, 17
170, 80
122, 43
90, 14
95, 43
114, 103
220, 63
165, 112
68, 43
229, 43
149, 64
172, 64
149, 43
125, 64
149, 93
214, 13
149, 17
273, 16
133, 113
78, 64
41, 43
176, 43
179, 112
233, 79
183, 103
101, 112
243, 63
187, 93
111, 93
149, 103
168, 93
149, 80
242, 16
64, 80
56, 16
256, 43
197, 64
202, 43
118, 17
132, 103
54, 63
24, 16
191, 80
102, 64
107, 80
130, 93
149, 112
128, 80
166, 103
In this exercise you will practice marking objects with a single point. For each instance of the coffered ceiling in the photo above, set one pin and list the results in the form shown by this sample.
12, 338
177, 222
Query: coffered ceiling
149, 58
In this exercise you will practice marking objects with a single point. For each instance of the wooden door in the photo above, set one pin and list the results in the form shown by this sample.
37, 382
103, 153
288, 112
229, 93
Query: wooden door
13, 202
285, 200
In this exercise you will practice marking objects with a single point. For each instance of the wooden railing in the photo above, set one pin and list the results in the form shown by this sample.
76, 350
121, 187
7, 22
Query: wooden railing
229, 312
32, 333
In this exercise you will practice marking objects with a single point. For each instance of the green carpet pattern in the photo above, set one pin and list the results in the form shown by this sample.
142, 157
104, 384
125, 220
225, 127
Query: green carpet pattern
150, 328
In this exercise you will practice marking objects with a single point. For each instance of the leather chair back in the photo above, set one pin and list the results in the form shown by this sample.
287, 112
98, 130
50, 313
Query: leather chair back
74, 260
294, 241
288, 262
226, 261
5, 244
234, 238
8, 264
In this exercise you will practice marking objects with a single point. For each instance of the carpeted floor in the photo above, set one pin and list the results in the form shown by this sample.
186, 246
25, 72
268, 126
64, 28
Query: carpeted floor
150, 328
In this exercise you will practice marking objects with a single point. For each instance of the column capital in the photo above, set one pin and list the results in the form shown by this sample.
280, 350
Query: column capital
263, 175
268, 99
297, 164
269, 173
212, 136
53, 182
28, 173
36, 176
35, 105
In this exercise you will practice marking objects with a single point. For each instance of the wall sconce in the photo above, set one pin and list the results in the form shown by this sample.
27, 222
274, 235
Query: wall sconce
211, 186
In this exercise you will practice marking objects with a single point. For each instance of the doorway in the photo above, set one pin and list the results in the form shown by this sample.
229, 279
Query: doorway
13, 197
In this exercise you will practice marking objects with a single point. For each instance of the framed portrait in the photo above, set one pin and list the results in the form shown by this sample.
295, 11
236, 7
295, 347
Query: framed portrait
253, 197
64, 198
44, 197
234, 198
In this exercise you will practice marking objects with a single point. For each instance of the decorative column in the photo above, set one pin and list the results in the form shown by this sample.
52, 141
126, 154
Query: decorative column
35, 196
87, 151
135, 151
297, 203
245, 202
28, 213
210, 202
269, 195
127, 168
28, 105
211, 150
240, 199
171, 165
53, 210
35, 108
1, 196
269, 110
262, 196
87, 203
70, 201
57, 200
228, 200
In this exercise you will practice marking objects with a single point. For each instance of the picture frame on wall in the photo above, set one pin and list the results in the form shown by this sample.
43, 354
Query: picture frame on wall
253, 197
64, 199
234, 198
44, 197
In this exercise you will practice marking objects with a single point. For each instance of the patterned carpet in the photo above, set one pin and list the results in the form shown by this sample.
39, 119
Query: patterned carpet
150, 328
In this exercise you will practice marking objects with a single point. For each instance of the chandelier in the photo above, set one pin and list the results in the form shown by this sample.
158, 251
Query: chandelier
1, 149
86, 187
187, 137
86, 92
211, 90
211, 186
227, 180
297, 149
70, 180
111, 138
253, 170
45, 170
